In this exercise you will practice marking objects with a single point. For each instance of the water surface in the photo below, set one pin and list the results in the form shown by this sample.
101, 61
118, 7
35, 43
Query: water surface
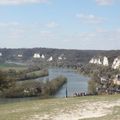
75, 81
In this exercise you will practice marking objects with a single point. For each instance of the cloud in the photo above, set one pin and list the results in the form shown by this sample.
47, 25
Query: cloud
90, 18
52, 24
17, 2
104, 2
9, 24
101, 35
12, 29
102, 39
17, 35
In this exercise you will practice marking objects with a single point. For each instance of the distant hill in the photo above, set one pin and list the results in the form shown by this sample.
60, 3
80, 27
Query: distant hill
71, 56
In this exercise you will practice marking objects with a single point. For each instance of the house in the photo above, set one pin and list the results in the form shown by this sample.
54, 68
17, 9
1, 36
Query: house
116, 80
103, 80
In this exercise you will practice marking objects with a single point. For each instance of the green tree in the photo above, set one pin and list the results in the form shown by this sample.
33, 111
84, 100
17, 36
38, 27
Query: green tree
5, 81
92, 87
94, 83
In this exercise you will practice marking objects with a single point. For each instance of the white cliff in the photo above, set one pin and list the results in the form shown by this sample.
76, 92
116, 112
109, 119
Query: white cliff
43, 56
59, 58
36, 55
100, 61
62, 57
91, 61
20, 56
0, 54
95, 60
105, 61
116, 63
50, 59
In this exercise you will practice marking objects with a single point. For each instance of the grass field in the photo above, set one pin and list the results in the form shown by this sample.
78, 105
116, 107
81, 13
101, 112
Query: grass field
12, 66
38, 73
77, 108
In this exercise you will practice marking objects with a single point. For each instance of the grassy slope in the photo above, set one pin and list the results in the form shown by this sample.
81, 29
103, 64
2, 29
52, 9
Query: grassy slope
12, 66
49, 109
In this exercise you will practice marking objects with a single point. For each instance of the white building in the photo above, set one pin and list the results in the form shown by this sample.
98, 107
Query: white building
116, 80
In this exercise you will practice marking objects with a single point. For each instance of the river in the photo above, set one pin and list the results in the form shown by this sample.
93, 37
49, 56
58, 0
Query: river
75, 83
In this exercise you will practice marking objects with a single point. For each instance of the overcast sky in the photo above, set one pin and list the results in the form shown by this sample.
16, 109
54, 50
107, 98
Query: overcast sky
69, 24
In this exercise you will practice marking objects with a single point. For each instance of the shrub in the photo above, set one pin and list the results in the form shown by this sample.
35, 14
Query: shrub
5, 81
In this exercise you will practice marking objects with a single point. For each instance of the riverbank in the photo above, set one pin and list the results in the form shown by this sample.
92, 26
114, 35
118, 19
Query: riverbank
85, 108
76, 83
35, 88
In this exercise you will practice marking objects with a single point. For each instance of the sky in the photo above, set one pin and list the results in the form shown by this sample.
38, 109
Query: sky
68, 24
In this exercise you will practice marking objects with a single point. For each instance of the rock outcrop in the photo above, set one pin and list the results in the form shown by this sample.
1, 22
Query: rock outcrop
105, 61
100, 61
50, 59
43, 56
116, 63
62, 57
20, 56
36, 55
0, 54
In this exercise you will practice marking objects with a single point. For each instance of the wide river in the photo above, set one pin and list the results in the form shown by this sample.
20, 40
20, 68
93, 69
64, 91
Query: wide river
75, 83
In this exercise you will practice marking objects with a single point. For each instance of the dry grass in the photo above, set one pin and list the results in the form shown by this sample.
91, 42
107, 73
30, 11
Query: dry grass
82, 108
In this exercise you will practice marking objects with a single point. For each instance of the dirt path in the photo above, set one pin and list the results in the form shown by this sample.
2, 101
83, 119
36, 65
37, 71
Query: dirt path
82, 111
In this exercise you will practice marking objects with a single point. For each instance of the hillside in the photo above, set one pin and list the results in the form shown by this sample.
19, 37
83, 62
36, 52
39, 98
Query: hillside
81, 108
71, 56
